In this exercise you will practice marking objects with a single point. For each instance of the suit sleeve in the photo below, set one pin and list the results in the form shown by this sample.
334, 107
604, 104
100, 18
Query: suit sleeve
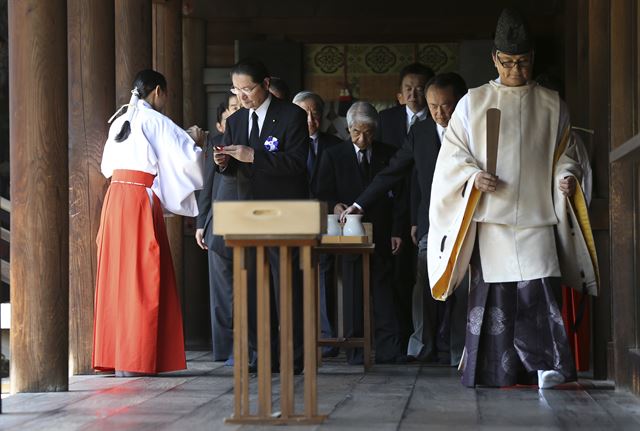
416, 196
292, 160
204, 197
399, 168
401, 192
327, 189
227, 139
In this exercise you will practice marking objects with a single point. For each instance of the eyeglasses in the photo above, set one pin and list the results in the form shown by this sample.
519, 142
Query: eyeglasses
510, 64
245, 91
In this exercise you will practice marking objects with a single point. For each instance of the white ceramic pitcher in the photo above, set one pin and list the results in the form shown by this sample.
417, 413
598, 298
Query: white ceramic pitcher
353, 226
333, 225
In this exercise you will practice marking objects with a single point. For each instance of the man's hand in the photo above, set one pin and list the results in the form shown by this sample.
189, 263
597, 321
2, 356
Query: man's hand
339, 209
241, 153
485, 182
568, 186
197, 134
220, 159
200, 239
414, 232
346, 211
396, 244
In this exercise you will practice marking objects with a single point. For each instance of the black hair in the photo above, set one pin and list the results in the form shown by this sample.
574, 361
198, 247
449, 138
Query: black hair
279, 85
448, 79
223, 106
416, 69
145, 82
254, 68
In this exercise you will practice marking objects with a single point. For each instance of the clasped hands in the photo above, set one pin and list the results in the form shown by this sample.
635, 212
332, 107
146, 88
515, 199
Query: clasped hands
487, 183
343, 211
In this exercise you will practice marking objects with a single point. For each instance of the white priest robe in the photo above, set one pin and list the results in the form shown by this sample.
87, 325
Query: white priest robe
515, 224
159, 147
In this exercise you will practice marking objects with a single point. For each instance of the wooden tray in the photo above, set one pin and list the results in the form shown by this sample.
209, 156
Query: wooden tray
330, 239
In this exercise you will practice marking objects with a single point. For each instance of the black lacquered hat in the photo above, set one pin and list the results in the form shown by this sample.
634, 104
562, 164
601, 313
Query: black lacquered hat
512, 34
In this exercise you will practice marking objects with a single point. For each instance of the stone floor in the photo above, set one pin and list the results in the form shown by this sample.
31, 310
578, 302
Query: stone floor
410, 397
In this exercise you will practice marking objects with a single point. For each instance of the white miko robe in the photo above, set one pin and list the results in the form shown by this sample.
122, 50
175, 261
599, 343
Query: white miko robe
515, 224
158, 146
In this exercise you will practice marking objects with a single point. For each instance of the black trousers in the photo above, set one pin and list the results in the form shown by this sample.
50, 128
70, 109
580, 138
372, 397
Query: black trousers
221, 303
385, 331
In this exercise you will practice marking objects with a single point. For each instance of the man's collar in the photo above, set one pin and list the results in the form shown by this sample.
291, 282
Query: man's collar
421, 115
262, 109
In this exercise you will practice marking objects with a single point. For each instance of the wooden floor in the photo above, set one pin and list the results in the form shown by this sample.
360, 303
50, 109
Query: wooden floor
410, 397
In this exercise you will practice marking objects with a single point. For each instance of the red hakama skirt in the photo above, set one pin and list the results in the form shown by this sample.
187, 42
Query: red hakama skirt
137, 320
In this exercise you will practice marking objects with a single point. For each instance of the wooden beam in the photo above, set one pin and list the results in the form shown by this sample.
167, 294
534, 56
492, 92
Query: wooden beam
91, 94
40, 195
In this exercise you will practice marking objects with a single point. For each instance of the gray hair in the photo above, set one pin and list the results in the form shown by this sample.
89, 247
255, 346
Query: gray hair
362, 113
309, 95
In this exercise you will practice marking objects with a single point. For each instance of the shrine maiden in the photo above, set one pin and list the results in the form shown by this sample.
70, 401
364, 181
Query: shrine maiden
154, 167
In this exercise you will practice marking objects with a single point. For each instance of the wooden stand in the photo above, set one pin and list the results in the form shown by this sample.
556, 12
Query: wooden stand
242, 412
365, 342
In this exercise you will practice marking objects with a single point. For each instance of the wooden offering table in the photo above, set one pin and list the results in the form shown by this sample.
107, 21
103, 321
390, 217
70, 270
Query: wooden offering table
292, 224
364, 249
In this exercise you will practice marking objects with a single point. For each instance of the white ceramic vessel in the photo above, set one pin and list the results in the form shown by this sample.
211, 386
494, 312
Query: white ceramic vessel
333, 225
353, 226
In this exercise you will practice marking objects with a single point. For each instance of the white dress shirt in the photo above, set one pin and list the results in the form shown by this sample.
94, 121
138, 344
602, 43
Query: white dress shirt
441, 131
419, 116
359, 156
262, 113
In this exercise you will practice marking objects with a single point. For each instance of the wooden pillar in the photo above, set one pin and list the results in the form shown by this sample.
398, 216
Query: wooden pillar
167, 59
194, 41
197, 326
39, 195
91, 96
133, 43
598, 90
624, 194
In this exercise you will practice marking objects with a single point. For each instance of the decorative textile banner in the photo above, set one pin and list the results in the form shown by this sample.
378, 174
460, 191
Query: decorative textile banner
371, 70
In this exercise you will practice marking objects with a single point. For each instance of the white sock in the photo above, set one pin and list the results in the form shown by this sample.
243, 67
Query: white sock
549, 378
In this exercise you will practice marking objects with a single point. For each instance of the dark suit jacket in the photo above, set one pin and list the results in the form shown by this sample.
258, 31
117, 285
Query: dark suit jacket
342, 181
392, 128
280, 174
420, 149
207, 196
325, 141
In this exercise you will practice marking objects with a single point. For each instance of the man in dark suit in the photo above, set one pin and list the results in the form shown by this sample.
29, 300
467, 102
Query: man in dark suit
319, 143
395, 122
345, 172
265, 148
394, 125
220, 257
439, 329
